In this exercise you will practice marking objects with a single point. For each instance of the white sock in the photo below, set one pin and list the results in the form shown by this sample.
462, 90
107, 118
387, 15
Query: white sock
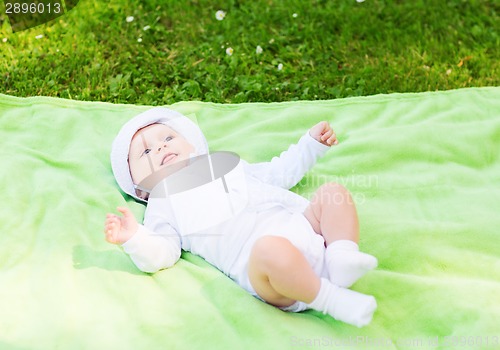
346, 264
344, 305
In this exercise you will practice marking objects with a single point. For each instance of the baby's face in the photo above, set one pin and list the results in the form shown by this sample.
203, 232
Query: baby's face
154, 147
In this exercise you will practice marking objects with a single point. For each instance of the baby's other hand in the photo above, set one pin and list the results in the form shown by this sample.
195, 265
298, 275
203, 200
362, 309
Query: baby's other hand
323, 133
119, 229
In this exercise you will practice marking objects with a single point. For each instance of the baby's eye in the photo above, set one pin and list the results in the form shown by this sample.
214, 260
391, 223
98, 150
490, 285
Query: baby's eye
169, 138
146, 151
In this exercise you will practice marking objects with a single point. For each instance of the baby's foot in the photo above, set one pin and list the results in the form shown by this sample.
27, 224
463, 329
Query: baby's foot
346, 264
344, 305
353, 307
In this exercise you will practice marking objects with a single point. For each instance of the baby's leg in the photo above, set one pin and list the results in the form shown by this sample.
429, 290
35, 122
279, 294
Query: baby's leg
279, 272
333, 215
281, 275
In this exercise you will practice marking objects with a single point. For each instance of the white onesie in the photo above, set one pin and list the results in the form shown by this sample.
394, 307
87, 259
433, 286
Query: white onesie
271, 210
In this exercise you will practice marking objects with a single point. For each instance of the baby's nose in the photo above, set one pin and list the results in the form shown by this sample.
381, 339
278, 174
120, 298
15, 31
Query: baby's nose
162, 146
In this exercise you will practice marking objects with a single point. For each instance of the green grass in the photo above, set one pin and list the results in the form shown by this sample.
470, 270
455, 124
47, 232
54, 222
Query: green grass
330, 49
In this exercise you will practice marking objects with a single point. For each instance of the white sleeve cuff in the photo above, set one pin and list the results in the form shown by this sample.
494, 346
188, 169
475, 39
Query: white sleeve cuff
320, 148
135, 241
152, 252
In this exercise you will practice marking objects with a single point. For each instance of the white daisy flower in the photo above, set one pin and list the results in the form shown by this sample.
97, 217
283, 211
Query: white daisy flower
130, 19
280, 66
295, 15
229, 51
4, 40
258, 50
146, 28
360, 0
139, 40
39, 36
219, 15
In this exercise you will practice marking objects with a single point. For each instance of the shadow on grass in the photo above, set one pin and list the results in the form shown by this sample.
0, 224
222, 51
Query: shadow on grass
85, 257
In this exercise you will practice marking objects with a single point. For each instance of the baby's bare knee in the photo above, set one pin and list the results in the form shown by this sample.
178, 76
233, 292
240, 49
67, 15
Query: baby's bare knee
333, 187
333, 193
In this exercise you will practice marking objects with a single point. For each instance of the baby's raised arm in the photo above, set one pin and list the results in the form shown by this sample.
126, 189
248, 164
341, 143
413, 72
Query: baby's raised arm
323, 133
289, 168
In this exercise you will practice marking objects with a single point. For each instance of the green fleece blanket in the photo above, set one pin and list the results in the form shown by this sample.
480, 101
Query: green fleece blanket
424, 170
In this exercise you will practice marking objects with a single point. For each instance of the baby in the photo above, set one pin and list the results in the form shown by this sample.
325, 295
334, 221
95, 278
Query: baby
292, 253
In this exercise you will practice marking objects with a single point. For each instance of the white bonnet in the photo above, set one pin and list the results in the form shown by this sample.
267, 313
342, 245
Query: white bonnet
121, 144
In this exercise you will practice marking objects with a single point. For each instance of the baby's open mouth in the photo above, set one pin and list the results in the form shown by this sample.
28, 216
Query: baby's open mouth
168, 157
